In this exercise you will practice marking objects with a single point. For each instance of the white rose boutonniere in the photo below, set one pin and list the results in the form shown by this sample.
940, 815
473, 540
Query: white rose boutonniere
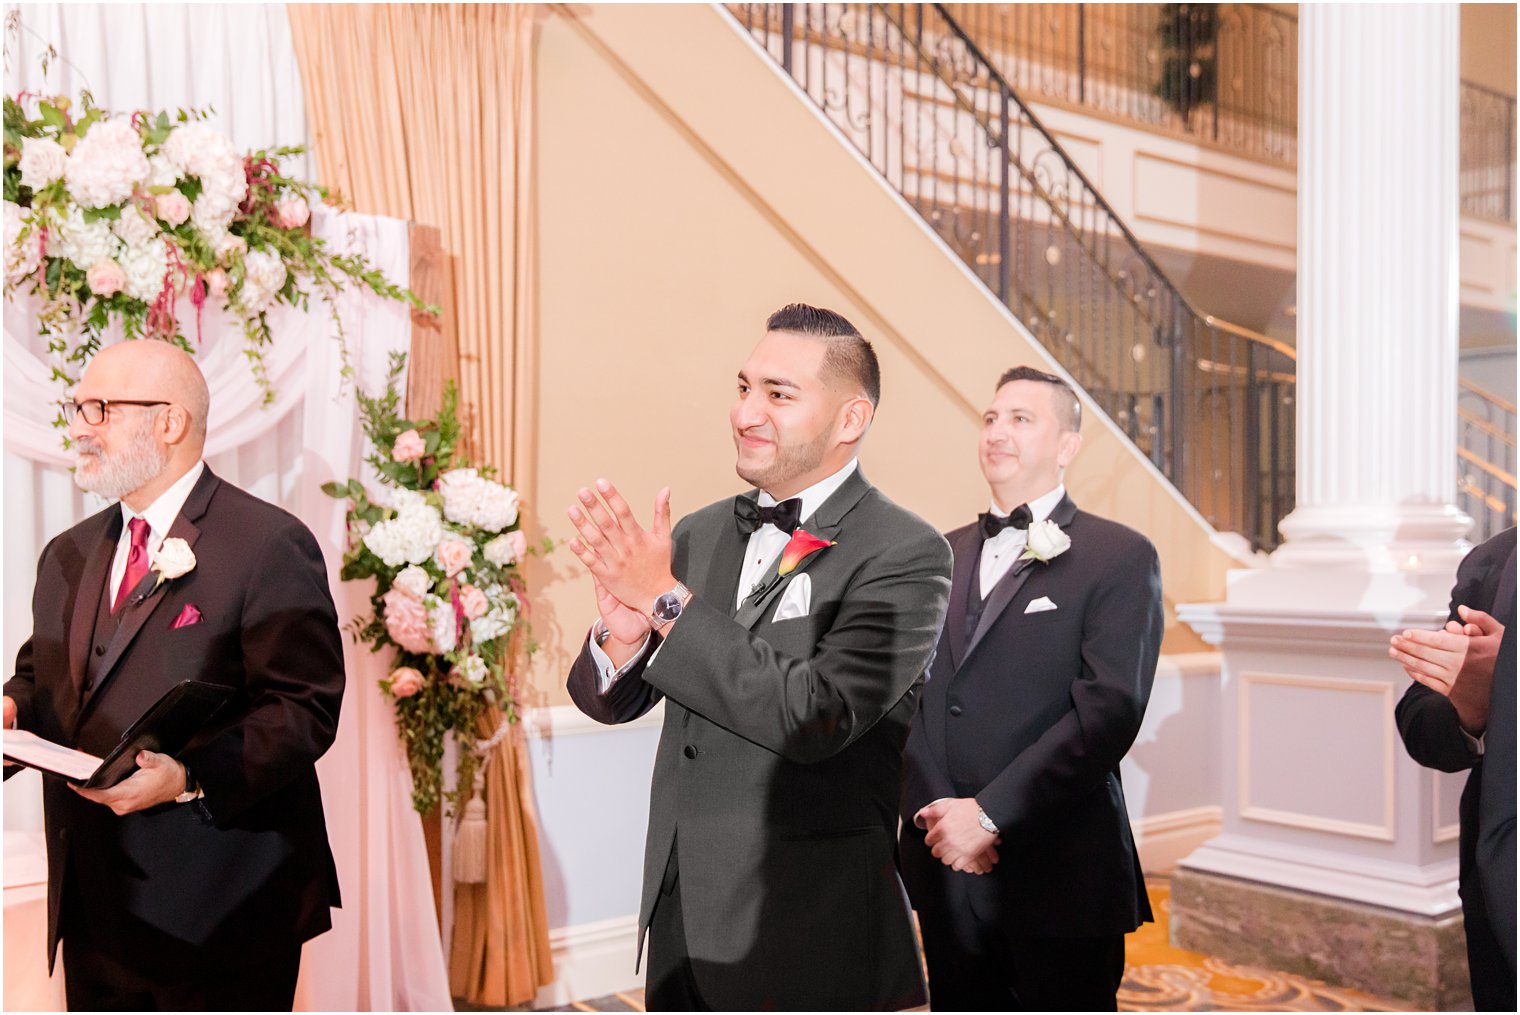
1046, 542
172, 559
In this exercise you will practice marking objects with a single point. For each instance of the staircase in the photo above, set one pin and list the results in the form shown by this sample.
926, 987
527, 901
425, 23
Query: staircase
1485, 459
1211, 404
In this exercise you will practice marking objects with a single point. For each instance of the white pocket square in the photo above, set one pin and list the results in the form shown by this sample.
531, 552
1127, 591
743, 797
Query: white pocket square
1040, 605
795, 600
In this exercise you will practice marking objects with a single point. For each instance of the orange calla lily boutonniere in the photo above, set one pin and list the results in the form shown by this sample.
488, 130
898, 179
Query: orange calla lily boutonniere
802, 545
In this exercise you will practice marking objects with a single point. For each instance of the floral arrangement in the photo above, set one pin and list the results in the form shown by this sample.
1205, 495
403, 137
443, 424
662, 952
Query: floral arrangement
111, 218
443, 542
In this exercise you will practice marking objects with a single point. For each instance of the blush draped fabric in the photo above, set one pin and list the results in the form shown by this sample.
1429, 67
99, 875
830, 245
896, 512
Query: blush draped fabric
383, 952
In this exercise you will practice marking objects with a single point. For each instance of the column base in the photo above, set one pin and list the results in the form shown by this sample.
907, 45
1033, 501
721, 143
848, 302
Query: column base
1394, 955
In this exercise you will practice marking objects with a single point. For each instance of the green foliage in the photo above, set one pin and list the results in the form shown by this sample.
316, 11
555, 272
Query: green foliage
445, 705
70, 308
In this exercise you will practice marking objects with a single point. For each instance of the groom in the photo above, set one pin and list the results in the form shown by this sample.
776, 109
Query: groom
790, 653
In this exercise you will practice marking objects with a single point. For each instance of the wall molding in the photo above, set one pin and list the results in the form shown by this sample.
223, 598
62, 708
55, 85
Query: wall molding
549, 721
1383, 832
1163, 840
592, 960
1440, 833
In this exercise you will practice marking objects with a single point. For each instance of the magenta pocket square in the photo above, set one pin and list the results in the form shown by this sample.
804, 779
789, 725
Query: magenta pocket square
189, 615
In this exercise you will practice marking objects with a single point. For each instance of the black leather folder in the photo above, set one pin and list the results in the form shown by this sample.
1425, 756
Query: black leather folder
167, 728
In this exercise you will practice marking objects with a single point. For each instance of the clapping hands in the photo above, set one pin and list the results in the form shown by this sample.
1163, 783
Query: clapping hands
629, 564
1456, 662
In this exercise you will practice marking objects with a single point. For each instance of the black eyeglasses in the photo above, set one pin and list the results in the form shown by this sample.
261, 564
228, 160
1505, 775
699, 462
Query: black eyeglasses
94, 409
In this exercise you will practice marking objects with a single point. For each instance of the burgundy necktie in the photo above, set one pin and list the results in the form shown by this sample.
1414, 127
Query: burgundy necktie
137, 561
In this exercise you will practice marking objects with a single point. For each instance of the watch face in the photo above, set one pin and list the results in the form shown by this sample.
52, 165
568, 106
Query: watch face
667, 607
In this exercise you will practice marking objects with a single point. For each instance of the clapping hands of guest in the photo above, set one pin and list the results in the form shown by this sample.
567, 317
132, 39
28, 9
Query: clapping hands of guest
1456, 662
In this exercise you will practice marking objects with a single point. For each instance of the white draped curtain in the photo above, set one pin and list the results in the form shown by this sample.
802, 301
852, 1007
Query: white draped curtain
383, 952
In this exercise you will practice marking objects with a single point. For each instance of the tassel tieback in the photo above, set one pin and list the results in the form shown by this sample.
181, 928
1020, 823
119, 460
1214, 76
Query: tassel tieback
470, 836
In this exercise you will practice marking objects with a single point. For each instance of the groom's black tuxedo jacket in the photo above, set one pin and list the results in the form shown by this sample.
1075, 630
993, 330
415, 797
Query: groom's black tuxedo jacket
1031, 714
780, 765
248, 867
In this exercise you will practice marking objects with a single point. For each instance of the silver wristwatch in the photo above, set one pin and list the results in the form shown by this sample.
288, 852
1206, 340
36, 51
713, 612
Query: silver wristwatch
986, 822
669, 606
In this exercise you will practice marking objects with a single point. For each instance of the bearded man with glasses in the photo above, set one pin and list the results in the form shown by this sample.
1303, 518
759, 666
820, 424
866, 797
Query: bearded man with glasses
192, 884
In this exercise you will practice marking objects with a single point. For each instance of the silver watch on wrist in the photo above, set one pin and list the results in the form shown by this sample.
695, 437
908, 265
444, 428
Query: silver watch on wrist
986, 822
668, 607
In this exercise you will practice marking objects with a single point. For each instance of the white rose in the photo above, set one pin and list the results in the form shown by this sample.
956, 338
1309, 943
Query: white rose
414, 580
1046, 541
43, 161
172, 559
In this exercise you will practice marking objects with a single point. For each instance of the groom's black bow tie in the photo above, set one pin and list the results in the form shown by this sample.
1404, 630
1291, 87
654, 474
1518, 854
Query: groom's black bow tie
993, 524
786, 515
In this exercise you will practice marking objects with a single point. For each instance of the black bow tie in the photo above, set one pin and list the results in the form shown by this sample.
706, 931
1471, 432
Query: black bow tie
993, 524
786, 515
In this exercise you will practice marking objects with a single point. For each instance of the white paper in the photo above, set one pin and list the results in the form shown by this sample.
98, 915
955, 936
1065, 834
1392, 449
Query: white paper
30, 749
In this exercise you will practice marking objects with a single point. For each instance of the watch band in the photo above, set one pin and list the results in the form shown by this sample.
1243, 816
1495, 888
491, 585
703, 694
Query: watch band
986, 822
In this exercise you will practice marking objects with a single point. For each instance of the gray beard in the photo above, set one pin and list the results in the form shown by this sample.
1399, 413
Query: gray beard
117, 475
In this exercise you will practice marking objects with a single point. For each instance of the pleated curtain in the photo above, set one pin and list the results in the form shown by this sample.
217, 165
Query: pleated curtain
423, 112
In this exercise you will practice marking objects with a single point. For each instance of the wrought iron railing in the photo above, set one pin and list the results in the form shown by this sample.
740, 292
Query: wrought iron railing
1209, 403
1224, 73
1485, 459
1488, 153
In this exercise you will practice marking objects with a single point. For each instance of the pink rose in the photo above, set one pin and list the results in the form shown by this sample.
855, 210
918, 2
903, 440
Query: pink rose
217, 283
406, 620
453, 555
474, 602
105, 277
172, 207
409, 447
229, 248
405, 682
292, 213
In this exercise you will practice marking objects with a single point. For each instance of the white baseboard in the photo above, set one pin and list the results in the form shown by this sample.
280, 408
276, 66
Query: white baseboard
592, 960
1164, 839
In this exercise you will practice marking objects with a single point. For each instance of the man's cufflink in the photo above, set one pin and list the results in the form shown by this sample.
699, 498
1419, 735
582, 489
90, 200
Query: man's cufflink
986, 822
600, 633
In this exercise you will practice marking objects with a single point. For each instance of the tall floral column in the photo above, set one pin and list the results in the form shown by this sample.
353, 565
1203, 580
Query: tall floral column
442, 542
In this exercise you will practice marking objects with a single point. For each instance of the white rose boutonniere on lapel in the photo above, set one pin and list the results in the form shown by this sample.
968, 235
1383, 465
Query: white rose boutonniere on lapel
172, 559
1046, 542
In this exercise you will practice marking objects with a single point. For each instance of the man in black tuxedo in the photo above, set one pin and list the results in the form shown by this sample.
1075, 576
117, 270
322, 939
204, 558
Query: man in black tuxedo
789, 656
193, 883
1446, 721
1015, 844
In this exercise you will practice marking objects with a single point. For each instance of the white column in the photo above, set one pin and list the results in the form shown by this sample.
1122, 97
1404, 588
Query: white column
1319, 796
1377, 288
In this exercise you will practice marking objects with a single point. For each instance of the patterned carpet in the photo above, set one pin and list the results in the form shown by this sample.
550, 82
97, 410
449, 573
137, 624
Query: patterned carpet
1163, 978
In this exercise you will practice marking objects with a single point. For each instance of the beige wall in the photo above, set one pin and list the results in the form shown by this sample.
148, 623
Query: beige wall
1488, 46
670, 224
